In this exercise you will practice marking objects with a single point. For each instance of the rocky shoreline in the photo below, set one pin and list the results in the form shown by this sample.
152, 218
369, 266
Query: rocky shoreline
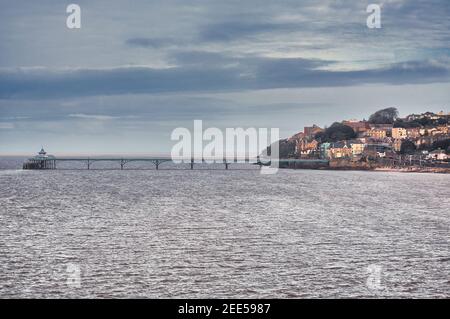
373, 166
410, 169
346, 165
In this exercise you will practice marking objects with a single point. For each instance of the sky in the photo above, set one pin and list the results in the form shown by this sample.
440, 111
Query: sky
137, 70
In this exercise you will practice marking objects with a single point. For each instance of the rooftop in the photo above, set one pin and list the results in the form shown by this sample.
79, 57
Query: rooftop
42, 155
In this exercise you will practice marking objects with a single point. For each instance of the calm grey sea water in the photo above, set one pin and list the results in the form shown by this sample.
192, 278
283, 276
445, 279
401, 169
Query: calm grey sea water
217, 233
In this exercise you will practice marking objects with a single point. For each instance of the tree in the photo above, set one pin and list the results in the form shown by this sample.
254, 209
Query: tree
336, 132
442, 144
286, 149
407, 147
384, 116
425, 121
406, 124
441, 121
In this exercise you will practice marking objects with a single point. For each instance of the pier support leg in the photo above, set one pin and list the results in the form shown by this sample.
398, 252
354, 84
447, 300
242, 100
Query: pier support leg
157, 165
89, 164
192, 163
225, 163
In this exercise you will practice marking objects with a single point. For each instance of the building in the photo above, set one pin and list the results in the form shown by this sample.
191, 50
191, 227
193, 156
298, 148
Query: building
445, 128
399, 133
430, 115
305, 147
386, 127
41, 161
323, 150
374, 150
438, 155
397, 145
357, 126
43, 155
296, 137
440, 130
340, 150
357, 148
442, 114
424, 141
427, 115
412, 117
379, 148
311, 131
377, 133
413, 132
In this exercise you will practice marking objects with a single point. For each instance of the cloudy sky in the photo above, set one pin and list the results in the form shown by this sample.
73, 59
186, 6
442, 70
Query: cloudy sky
136, 70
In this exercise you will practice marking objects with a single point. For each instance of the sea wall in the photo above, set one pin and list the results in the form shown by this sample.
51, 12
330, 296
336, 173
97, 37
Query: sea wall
305, 165
345, 164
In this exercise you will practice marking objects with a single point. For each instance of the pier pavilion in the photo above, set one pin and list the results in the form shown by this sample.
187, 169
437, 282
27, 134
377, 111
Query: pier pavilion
41, 161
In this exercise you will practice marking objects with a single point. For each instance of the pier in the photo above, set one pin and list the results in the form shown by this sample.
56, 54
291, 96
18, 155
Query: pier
43, 161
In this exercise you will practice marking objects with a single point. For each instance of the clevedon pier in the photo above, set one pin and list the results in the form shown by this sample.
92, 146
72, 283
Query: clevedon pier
44, 161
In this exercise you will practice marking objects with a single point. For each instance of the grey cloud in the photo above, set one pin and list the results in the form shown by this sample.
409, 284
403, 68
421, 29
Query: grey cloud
154, 43
99, 117
123, 108
239, 74
232, 30
84, 72
200, 58
6, 126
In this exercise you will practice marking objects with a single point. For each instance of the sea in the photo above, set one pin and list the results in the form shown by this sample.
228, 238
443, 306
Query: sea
215, 233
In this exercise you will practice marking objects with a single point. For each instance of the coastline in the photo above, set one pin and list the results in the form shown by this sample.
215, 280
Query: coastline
342, 164
434, 170
345, 165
